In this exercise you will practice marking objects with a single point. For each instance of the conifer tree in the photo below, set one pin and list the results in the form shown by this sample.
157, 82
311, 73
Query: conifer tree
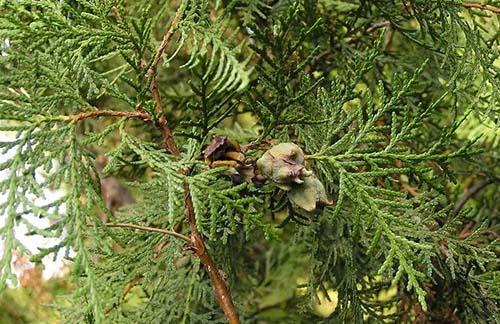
255, 160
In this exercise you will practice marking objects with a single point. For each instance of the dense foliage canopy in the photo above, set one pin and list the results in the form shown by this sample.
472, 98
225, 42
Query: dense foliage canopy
160, 121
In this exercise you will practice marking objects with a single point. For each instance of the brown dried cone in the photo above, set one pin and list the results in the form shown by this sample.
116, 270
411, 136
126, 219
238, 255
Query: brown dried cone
225, 152
221, 148
283, 164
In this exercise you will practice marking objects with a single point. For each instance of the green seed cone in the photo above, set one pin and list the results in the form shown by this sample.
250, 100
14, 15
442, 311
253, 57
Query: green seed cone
309, 195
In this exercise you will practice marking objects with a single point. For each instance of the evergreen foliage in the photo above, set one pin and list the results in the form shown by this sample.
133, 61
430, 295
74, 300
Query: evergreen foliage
380, 95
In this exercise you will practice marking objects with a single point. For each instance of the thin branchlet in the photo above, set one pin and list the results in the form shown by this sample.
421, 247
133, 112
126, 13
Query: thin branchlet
148, 229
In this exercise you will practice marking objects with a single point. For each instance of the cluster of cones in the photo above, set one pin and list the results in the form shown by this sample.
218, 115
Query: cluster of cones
282, 164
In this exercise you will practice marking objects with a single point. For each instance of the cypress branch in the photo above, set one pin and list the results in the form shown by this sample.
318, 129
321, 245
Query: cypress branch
109, 113
219, 285
314, 156
148, 229
481, 6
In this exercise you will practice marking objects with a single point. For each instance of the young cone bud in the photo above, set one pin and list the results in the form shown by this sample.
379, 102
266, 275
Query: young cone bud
310, 195
284, 165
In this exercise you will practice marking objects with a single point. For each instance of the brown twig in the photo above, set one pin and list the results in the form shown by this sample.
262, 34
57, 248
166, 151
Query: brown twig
108, 113
471, 192
219, 285
148, 229
470, 5
166, 38
155, 92
163, 122
221, 289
